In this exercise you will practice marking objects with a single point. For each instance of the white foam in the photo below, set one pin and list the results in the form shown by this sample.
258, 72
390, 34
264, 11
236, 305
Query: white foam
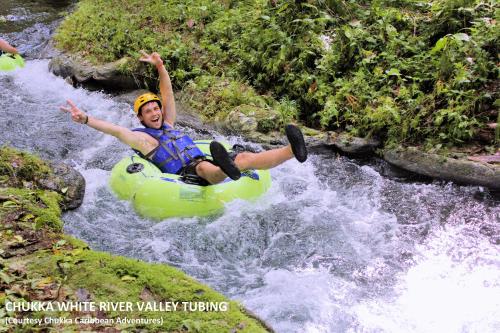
453, 287
305, 300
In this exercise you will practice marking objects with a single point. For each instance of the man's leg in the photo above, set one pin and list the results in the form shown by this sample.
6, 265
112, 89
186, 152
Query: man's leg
210, 172
246, 160
271, 158
263, 160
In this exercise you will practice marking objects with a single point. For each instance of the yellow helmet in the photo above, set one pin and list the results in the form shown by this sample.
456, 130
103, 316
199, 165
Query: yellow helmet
143, 99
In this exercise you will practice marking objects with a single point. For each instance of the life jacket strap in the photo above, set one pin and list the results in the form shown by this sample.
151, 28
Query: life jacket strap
169, 151
160, 165
178, 152
151, 153
168, 132
186, 150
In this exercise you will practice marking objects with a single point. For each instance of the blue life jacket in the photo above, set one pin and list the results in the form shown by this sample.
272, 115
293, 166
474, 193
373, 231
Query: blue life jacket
175, 149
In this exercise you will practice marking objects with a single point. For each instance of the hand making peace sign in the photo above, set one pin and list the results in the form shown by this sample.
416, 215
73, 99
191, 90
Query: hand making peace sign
77, 115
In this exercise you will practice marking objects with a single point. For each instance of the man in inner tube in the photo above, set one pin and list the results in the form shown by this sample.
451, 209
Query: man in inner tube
174, 152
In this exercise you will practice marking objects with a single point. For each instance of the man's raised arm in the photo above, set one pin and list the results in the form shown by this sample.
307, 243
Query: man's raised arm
167, 93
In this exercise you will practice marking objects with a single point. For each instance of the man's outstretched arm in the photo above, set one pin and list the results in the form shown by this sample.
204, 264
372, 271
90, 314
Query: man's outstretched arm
123, 134
4, 46
167, 93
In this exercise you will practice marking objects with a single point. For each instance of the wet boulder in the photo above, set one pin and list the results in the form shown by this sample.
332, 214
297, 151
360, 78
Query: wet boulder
250, 118
352, 145
109, 76
445, 168
68, 182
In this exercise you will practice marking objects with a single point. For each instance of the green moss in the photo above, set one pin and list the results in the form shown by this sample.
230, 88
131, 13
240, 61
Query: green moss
42, 207
110, 278
17, 167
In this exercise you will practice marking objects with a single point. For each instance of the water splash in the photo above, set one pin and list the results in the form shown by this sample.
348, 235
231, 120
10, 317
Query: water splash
454, 286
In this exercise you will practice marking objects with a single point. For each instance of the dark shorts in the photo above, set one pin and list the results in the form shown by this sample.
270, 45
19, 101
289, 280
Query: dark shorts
188, 173
190, 169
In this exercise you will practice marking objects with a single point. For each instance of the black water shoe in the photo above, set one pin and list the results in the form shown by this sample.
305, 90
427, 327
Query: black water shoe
222, 159
296, 140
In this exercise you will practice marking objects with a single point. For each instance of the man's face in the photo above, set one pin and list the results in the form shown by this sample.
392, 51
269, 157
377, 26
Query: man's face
151, 115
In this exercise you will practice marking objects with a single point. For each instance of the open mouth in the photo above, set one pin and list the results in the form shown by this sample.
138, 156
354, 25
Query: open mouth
156, 120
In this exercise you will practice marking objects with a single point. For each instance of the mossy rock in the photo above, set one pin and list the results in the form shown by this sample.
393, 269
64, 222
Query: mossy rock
442, 167
20, 169
250, 118
353, 145
111, 76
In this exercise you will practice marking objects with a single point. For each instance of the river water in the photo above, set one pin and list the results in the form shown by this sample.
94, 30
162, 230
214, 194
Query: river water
334, 246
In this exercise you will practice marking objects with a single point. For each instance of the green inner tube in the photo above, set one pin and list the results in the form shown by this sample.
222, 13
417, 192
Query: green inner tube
9, 62
160, 195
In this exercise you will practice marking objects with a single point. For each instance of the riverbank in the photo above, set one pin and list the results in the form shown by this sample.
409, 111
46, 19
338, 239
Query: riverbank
461, 165
50, 280
381, 101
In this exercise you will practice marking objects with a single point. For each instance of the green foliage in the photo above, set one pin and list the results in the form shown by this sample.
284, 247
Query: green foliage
287, 111
107, 30
215, 97
407, 71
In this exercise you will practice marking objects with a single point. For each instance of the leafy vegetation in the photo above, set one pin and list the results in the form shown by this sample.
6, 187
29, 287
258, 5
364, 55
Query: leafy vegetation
407, 71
